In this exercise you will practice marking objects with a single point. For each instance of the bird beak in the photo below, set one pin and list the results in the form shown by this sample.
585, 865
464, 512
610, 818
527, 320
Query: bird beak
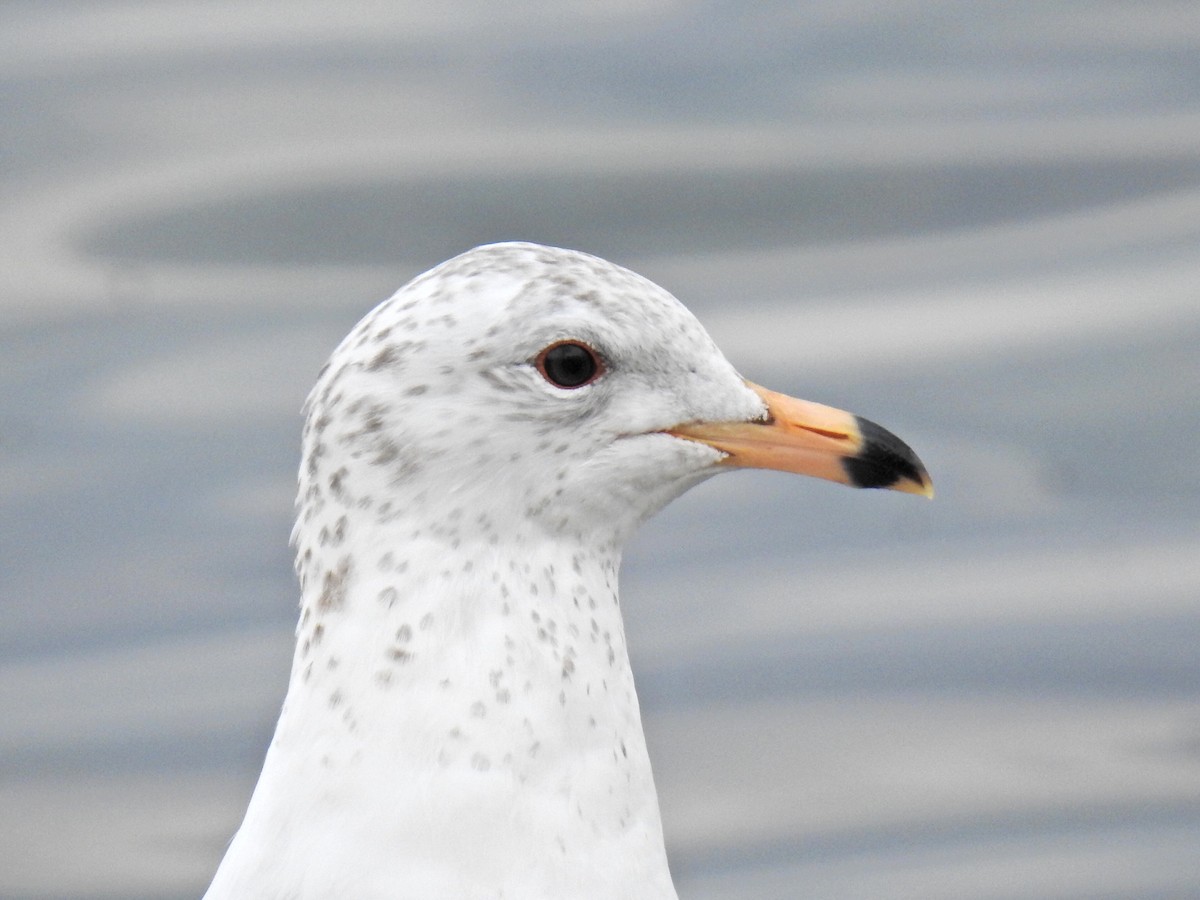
811, 439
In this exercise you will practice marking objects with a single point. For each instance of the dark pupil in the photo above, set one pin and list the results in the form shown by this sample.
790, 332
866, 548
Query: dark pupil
569, 365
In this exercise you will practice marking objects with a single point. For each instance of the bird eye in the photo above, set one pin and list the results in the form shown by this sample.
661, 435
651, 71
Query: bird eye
569, 364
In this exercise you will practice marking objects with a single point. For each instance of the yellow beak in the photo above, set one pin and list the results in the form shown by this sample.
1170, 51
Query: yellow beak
811, 439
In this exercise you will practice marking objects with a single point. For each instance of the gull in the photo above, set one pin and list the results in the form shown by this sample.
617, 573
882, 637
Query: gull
461, 719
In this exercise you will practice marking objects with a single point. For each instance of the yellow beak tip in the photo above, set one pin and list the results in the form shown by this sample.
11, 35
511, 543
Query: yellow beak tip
922, 488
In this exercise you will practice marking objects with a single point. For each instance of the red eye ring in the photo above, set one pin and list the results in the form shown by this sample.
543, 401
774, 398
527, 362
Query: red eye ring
569, 364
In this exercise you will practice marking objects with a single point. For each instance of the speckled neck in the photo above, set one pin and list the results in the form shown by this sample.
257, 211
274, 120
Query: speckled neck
462, 703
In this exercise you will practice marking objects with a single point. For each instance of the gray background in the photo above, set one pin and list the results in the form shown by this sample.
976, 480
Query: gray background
977, 223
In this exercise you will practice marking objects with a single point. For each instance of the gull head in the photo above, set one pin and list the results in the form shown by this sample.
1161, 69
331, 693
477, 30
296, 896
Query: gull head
551, 392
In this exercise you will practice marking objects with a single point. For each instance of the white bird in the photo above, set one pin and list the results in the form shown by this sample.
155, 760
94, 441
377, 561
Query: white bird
461, 720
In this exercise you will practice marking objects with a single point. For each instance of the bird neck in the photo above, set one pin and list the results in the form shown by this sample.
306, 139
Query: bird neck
463, 704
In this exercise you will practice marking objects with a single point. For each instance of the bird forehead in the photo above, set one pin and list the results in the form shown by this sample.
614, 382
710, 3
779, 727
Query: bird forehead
506, 300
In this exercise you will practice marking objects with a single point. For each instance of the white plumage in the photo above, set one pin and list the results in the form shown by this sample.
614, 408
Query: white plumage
461, 719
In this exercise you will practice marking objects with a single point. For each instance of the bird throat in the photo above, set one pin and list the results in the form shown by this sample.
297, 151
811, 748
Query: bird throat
461, 682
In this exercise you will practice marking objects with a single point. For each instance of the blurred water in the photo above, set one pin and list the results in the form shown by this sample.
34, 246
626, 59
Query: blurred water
976, 223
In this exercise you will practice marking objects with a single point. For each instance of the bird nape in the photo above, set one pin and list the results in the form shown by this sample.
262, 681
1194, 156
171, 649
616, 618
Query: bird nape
461, 719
